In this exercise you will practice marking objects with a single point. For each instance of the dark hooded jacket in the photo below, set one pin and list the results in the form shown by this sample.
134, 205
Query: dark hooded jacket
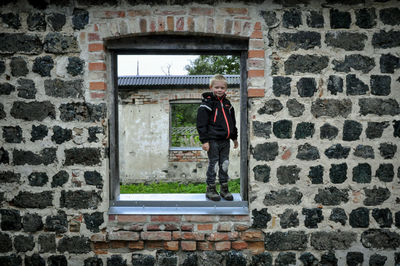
216, 118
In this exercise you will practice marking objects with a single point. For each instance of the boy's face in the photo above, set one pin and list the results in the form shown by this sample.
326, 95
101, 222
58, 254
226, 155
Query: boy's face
219, 88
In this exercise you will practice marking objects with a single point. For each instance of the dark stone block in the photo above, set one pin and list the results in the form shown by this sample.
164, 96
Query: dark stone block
376, 196
390, 16
4, 157
11, 43
306, 87
2, 67
387, 150
329, 259
6, 89
144, 260
316, 174
292, 18
375, 129
33, 110
351, 130
61, 135
337, 151
283, 129
262, 173
12, 20
34, 200
18, 67
39, 4
397, 219
359, 218
9, 177
328, 131
60, 179
383, 217
94, 261
46, 156
166, 258
26, 89
346, 40
82, 156
34, 260
291, 240
331, 196
264, 258
380, 85
335, 84
295, 108
315, 19
32, 222
63, 89
57, 260
281, 86
285, 258
270, 107
283, 197
12, 134
75, 66
354, 258
396, 128
378, 106
299, 40
266, 151
289, 219
355, 86
389, 63
305, 64
356, 62
269, 18
38, 179
312, 217
5, 242
308, 259
338, 173
10, 220
43, 65
234, 258
380, 239
74, 244
261, 129
80, 199
332, 240
365, 18
56, 21
93, 221
331, 107
288, 174
304, 130
385, 172
92, 131
384, 40
83, 112
260, 218
11, 260
2, 113
362, 173
339, 19
307, 152
116, 260
338, 215
38, 132
57, 223
24, 243
36, 22
57, 43
80, 18
377, 260
47, 243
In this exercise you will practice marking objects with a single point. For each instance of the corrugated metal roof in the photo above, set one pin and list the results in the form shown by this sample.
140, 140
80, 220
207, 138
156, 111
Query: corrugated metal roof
188, 80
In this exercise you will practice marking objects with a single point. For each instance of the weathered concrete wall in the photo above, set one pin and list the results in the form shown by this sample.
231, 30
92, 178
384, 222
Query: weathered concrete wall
324, 131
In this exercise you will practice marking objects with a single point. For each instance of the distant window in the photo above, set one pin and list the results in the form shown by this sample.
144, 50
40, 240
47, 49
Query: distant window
183, 132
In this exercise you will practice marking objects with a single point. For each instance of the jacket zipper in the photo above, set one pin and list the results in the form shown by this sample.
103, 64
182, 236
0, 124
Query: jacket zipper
226, 120
215, 116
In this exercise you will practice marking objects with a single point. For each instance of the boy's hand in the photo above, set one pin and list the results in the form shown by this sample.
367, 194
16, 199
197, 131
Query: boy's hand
235, 144
205, 146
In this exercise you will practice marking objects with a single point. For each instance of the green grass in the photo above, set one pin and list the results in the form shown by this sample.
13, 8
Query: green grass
175, 187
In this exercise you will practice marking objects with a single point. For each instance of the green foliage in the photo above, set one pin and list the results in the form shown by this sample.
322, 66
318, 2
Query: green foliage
174, 187
184, 114
214, 64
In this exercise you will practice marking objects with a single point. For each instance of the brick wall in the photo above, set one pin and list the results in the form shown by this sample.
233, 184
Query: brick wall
324, 130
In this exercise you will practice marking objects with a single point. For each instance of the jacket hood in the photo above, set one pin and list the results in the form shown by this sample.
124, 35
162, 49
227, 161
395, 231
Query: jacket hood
211, 95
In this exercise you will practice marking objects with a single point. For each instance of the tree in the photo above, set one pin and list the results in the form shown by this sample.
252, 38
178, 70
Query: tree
214, 64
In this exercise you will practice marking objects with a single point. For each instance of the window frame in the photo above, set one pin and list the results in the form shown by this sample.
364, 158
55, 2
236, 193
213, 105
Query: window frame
182, 44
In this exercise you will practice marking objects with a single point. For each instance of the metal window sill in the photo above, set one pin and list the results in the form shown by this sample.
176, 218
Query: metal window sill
176, 204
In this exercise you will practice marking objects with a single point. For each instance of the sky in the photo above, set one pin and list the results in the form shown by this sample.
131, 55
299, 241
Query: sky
153, 64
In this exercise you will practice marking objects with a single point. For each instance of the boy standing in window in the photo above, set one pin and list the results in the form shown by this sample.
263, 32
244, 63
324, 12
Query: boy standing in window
216, 125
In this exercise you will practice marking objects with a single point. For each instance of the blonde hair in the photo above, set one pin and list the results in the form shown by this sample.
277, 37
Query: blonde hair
218, 77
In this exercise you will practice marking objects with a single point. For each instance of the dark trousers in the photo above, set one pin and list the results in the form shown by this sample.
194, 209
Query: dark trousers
218, 155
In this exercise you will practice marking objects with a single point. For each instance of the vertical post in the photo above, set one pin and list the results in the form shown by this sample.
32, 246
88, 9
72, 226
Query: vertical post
244, 154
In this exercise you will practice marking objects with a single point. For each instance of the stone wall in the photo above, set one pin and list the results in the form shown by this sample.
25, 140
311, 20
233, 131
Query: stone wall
324, 127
